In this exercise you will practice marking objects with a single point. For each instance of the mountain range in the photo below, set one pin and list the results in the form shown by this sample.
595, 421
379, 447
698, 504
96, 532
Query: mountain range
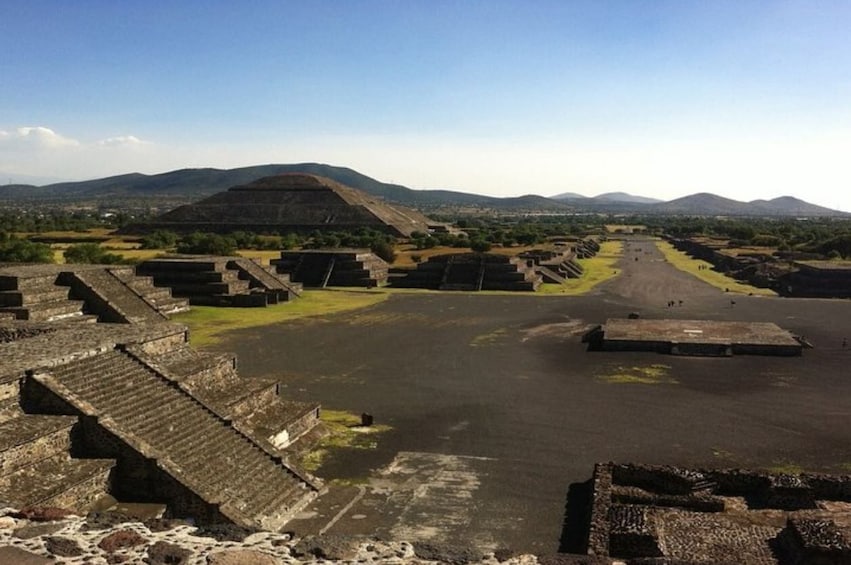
187, 185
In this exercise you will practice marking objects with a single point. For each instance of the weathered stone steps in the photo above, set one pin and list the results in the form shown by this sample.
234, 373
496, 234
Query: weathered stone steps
160, 297
212, 457
47, 311
110, 297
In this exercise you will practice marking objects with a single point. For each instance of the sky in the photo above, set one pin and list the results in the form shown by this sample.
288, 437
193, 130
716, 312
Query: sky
744, 99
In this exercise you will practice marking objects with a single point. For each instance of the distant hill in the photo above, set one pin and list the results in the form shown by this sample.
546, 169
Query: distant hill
624, 197
568, 196
705, 204
167, 190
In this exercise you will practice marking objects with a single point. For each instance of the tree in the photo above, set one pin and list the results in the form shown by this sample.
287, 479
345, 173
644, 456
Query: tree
93, 254
480, 246
16, 250
384, 249
206, 244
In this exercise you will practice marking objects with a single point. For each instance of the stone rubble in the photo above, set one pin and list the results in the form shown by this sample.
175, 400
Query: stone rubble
74, 540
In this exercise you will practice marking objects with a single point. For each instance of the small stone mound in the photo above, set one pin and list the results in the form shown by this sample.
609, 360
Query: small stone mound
42, 513
335, 548
122, 539
62, 547
164, 553
445, 553
224, 532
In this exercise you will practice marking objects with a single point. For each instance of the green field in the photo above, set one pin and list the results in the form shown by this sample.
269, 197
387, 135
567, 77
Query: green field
693, 266
208, 323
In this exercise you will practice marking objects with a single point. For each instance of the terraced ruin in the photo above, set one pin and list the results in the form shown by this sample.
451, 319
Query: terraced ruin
663, 514
129, 409
318, 268
220, 281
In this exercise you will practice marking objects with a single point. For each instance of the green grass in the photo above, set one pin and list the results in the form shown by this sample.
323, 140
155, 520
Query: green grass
344, 431
488, 338
597, 269
208, 323
649, 375
785, 468
692, 266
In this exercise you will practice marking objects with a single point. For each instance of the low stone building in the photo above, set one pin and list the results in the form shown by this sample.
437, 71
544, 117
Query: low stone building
471, 272
318, 268
219, 280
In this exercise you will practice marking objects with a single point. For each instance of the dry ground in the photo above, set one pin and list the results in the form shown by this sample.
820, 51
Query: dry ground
504, 389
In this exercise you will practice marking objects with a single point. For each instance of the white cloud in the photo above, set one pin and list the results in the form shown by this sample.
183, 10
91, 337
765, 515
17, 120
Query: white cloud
38, 137
121, 141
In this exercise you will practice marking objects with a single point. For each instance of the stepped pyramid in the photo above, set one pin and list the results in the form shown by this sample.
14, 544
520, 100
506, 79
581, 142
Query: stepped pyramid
129, 409
291, 202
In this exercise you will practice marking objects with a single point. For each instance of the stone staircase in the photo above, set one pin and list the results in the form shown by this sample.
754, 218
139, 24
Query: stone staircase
159, 298
218, 281
37, 470
318, 268
471, 272
34, 295
111, 298
279, 287
253, 404
197, 447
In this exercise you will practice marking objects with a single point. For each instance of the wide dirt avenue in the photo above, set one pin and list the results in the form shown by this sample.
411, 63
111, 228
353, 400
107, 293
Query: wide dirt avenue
496, 406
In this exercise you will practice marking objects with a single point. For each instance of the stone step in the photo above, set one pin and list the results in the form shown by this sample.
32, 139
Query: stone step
205, 452
24, 298
57, 481
30, 438
110, 298
47, 311
284, 498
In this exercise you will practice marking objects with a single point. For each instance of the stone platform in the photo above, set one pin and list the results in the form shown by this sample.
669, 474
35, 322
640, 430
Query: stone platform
694, 337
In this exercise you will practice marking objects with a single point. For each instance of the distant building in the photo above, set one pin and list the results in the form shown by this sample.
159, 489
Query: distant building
291, 202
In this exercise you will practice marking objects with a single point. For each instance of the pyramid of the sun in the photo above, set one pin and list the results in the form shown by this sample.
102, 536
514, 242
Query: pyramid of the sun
291, 203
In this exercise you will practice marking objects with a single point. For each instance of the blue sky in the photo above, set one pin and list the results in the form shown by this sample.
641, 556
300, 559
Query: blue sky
744, 99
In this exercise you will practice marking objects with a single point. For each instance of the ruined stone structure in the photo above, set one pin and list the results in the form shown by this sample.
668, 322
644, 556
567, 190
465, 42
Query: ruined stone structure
83, 293
219, 281
318, 268
472, 271
817, 279
131, 410
693, 337
662, 514
554, 266
290, 203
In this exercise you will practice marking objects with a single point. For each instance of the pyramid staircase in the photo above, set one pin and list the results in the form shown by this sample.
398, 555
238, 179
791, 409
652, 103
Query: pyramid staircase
318, 268
197, 447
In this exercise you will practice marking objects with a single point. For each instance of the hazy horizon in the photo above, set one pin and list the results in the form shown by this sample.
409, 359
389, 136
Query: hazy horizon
746, 100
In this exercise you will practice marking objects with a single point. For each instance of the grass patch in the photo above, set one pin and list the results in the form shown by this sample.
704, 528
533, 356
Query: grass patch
597, 269
488, 338
650, 375
785, 468
343, 431
703, 271
208, 323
